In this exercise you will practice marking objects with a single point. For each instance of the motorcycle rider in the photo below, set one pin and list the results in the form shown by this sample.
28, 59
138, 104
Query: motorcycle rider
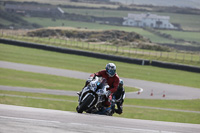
119, 96
109, 73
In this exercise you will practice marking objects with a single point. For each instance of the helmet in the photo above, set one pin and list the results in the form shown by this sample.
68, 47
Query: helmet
111, 69
121, 82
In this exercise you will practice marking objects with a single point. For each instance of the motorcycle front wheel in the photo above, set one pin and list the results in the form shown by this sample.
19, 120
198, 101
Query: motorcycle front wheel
84, 105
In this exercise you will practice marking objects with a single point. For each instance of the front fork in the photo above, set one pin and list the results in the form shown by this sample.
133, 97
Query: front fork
113, 103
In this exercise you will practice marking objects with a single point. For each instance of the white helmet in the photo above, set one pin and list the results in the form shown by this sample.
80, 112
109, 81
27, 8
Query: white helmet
121, 82
111, 69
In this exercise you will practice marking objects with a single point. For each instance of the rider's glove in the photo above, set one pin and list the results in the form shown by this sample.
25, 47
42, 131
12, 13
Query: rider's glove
107, 86
108, 93
89, 79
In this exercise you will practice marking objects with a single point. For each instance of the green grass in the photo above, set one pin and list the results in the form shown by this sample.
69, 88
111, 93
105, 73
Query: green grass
98, 12
188, 36
187, 21
5, 22
91, 65
172, 104
40, 95
11, 77
158, 115
38, 103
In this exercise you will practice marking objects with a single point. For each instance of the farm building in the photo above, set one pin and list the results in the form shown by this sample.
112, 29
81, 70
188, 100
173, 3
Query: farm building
34, 10
148, 20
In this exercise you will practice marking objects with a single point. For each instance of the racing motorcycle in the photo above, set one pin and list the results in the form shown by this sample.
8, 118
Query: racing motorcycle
92, 98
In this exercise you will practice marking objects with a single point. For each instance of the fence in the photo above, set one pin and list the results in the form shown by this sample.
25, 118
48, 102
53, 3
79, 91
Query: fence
126, 51
102, 56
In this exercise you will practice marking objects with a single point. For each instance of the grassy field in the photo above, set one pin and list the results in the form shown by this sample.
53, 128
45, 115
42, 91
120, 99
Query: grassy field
98, 12
5, 22
91, 65
188, 36
151, 114
172, 104
187, 21
34, 80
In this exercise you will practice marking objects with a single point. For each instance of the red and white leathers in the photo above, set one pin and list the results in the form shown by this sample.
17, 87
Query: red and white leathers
113, 82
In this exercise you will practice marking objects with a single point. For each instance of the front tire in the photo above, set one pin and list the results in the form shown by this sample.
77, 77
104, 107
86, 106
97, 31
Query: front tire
84, 104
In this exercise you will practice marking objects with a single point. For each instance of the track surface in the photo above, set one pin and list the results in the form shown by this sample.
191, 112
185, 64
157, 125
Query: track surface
158, 89
16, 119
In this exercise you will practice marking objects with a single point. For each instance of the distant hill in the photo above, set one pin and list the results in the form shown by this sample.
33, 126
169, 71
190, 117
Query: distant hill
109, 37
178, 3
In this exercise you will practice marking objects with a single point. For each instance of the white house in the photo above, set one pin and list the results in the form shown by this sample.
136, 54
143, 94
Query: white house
148, 20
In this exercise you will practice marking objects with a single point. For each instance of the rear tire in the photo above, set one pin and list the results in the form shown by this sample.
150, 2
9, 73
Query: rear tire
84, 104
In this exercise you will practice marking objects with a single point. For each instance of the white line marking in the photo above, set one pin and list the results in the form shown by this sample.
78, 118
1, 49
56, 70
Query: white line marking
140, 89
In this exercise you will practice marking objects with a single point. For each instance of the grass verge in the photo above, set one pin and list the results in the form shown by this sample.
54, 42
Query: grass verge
35, 80
158, 115
192, 105
11, 77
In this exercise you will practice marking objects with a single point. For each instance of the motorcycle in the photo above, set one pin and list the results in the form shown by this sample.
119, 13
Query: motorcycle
93, 96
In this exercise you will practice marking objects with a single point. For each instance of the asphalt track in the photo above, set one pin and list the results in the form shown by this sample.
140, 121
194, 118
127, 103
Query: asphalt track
16, 119
175, 92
